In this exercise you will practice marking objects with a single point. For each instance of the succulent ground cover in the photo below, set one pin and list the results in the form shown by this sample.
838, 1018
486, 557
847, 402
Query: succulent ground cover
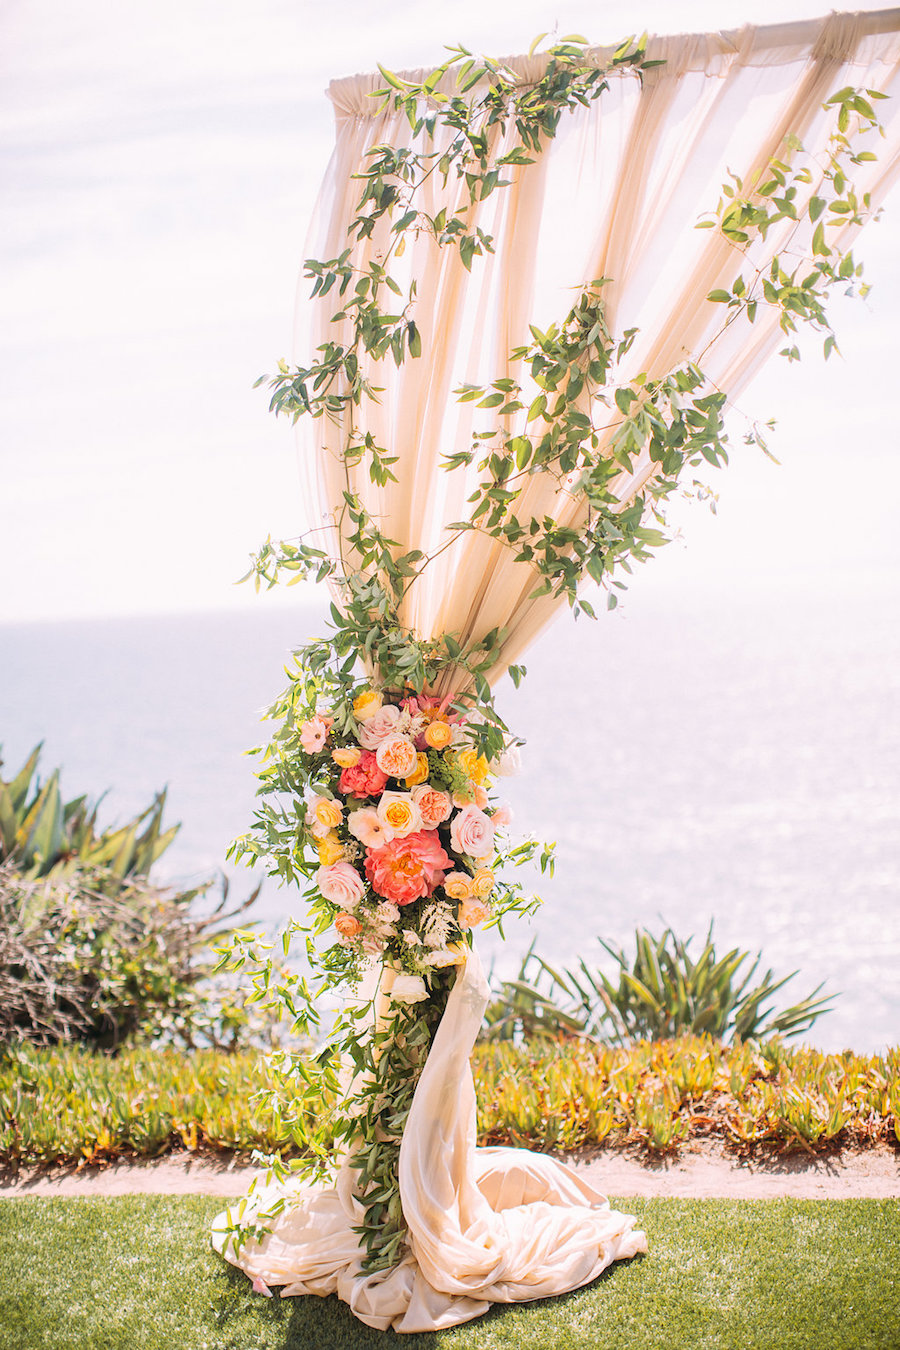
69, 1105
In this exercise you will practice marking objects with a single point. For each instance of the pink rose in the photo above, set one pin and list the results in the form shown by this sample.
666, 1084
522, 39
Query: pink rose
502, 816
472, 833
435, 806
383, 723
364, 779
341, 884
407, 869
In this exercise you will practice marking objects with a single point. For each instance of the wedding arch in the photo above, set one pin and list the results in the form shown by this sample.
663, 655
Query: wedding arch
538, 286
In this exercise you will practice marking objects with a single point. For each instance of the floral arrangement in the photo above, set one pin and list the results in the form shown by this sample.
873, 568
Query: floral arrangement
401, 819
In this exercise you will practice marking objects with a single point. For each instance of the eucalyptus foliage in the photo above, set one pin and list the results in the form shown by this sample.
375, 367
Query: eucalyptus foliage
571, 415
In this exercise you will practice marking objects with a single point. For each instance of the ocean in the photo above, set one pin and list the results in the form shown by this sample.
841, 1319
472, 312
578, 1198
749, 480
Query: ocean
710, 756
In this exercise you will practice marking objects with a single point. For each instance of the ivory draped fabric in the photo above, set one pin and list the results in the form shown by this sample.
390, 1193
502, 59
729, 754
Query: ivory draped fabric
486, 1225
617, 194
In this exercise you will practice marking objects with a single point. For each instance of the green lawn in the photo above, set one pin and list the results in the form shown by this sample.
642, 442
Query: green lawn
136, 1273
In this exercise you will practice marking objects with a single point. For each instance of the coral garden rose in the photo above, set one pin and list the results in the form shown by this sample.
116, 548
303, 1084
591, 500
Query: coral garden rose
421, 772
458, 885
363, 779
397, 756
472, 912
471, 832
381, 724
407, 869
399, 813
438, 735
313, 734
341, 884
367, 704
347, 924
367, 826
347, 756
408, 989
434, 805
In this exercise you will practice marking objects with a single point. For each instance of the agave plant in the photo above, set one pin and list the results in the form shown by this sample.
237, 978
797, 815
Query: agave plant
46, 836
658, 992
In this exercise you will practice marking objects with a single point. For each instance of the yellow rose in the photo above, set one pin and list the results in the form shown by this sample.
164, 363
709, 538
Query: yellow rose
328, 812
455, 955
330, 849
367, 704
472, 912
457, 885
421, 772
399, 813
482, 883
475, 766
347, 756
438, 735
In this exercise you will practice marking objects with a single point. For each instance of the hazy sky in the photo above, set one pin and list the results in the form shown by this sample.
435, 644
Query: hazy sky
159, 160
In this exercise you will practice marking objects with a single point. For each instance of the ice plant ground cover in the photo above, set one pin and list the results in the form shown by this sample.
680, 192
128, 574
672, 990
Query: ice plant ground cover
67, 1105
106, 1274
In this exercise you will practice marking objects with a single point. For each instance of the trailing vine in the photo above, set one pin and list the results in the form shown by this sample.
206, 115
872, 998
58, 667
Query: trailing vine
567, 413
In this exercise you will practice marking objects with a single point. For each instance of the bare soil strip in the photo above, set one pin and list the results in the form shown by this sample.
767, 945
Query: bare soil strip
701, 1171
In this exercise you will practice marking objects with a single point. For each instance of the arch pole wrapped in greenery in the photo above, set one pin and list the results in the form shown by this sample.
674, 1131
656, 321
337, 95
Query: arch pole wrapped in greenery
525, 330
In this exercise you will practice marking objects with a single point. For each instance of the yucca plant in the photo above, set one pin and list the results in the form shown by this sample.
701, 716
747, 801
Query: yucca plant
45, 835
657, 992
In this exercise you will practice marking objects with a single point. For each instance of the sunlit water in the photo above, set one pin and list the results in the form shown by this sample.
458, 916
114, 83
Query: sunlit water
694, 759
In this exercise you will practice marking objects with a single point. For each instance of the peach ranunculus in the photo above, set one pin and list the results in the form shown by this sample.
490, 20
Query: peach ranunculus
482, 883
367, 704
434, 805
399, 813
502, 816
313, 734
438, 735
347, 924
380, 724
367, 826
407, 869
363, 779
472, 912
341, 884
421, 773
347, 756
471, 832
397, 756
458, 885
326, 811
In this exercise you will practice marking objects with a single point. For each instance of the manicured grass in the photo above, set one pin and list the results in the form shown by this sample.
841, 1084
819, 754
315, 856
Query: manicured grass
118, 1274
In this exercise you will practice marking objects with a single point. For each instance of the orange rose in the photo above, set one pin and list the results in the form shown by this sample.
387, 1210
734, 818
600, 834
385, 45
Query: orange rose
438, 735
347, 924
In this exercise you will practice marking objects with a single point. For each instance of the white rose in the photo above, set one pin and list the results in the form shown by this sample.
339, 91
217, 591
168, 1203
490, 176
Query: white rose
508, 764
408, 989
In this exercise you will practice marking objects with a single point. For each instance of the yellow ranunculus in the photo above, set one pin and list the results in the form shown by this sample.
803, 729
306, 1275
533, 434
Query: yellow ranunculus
347, 756
328, 812
483, 883
475, 766
330, 849
367, 704
421, 772
457, 885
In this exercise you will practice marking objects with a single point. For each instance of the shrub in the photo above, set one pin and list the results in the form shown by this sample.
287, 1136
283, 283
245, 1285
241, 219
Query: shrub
658, 992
